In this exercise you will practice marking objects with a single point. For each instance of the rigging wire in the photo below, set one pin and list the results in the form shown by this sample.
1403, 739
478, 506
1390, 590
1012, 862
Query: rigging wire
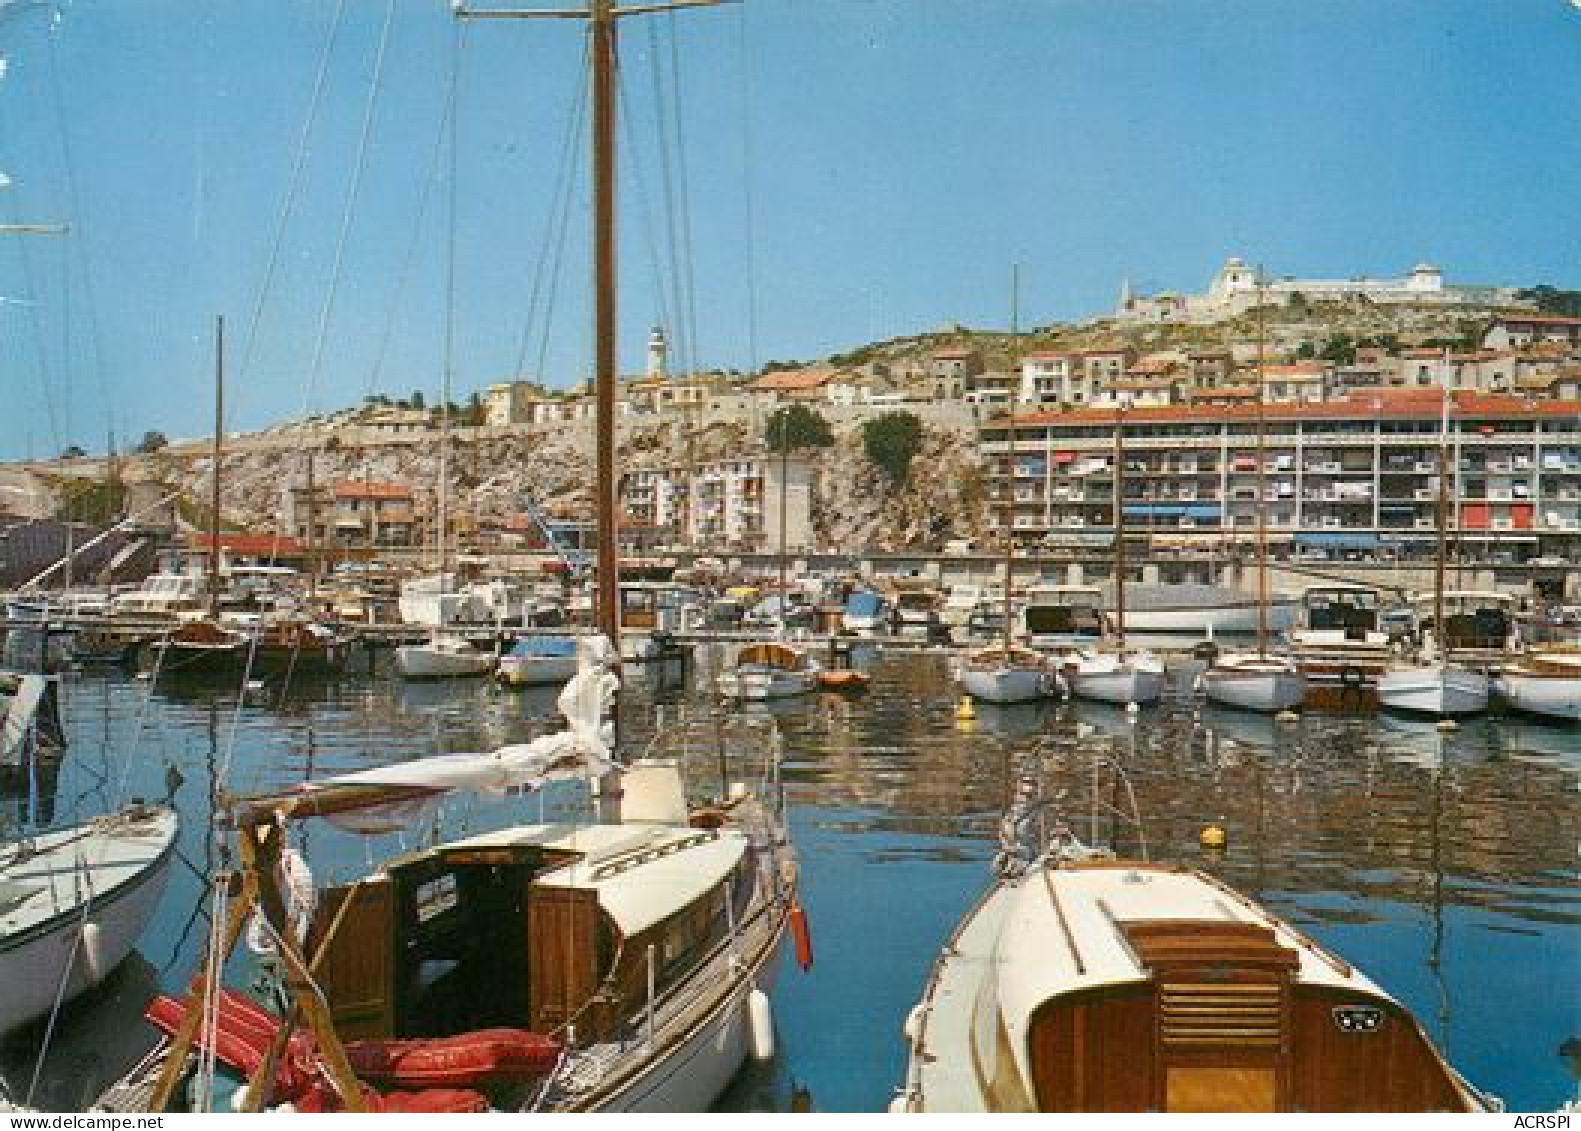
680, 330
293, 190
353, 194
683, 201
75, 208
662, 297
546, 271
749, 218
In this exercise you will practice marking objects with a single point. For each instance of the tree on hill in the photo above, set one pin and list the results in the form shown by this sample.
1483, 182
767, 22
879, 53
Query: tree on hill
890, 441
796, 426
1552, 300
151, 442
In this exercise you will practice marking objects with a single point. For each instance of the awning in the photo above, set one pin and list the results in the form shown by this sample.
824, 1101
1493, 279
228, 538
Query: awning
1064, 457
1340, 539
1172, 510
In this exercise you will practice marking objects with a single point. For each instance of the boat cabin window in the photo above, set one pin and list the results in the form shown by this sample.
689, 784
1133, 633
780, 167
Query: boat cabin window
1343, 610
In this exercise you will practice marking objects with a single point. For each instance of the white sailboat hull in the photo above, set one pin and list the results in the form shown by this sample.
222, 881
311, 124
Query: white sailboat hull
1137, 680
51, 936
1556, 696
1007, 684
760, 684
1267, 687
426, 661
1434, 689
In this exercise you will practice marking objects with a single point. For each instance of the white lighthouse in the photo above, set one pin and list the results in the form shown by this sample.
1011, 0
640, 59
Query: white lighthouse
657, 349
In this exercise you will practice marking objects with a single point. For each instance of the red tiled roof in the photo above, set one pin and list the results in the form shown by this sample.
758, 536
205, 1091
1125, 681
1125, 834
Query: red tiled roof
1381, 403
356, 489
1540, 319
252, 545
811, 378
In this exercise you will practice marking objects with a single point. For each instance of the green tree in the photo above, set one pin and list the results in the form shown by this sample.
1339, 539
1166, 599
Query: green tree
1339, 349
417, 399
796, 426
152, 441
891, 441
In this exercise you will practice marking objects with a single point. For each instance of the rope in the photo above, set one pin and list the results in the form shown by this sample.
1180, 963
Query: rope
749, 220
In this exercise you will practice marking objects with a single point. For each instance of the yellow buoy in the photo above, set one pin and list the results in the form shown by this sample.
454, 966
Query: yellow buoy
966, 709
1213, 837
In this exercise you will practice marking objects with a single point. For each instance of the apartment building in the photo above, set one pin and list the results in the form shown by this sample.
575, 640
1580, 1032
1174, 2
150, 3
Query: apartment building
1360, 473
353, 514
731, 504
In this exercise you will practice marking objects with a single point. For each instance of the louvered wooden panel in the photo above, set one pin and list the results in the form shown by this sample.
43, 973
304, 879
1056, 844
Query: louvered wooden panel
1220, 1015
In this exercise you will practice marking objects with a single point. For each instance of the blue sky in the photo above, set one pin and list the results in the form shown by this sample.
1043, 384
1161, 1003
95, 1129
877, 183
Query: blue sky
849, 170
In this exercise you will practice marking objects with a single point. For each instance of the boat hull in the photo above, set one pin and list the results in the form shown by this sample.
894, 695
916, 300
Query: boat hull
1553, 696
420, 661
1254, 689
761, 684
88, 942
1007, 685
535, 671
1123, 683
1434, 690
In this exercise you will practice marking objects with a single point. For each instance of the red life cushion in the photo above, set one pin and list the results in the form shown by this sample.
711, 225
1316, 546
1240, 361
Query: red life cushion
484, 1056
244, 1031
322, 1097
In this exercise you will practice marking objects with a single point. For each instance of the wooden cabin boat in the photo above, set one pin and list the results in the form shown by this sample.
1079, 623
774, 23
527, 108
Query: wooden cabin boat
637, 948
1103, 985
201, 648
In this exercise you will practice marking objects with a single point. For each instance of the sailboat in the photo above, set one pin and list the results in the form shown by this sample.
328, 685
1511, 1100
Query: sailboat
1435, 684
204, 645
1007, 672
618, 965
446, 654
1084, 981
776, 668
1257, 681
1117, 676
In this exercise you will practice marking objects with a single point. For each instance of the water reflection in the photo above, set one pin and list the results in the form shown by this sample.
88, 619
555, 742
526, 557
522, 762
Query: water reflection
1441, 864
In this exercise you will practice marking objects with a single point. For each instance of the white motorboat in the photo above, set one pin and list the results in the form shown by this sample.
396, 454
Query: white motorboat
997, 674
1255, 682
1545, 681
1062, 616
768, 670
1086, 983
534, 661
443, 656
866, 613
1113, 677
73, 903
1441, 689
162, 595
641, 943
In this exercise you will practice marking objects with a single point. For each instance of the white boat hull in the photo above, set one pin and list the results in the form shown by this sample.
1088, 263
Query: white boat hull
760, 684
424, 661
37, 951
1253, 689
535, 671
1110, 681
1555, 696
1434, 690
1007, 685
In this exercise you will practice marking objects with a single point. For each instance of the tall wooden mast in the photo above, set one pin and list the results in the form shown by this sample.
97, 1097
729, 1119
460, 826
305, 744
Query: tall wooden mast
1262, 494
602, 17
214, 494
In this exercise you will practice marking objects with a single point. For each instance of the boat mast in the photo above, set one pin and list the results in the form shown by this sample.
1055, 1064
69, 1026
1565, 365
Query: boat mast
1262, 475
1119, 523
1441, 636
601, 16
214, 497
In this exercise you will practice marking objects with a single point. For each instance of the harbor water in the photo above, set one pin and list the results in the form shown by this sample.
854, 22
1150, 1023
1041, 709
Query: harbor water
1444, 865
